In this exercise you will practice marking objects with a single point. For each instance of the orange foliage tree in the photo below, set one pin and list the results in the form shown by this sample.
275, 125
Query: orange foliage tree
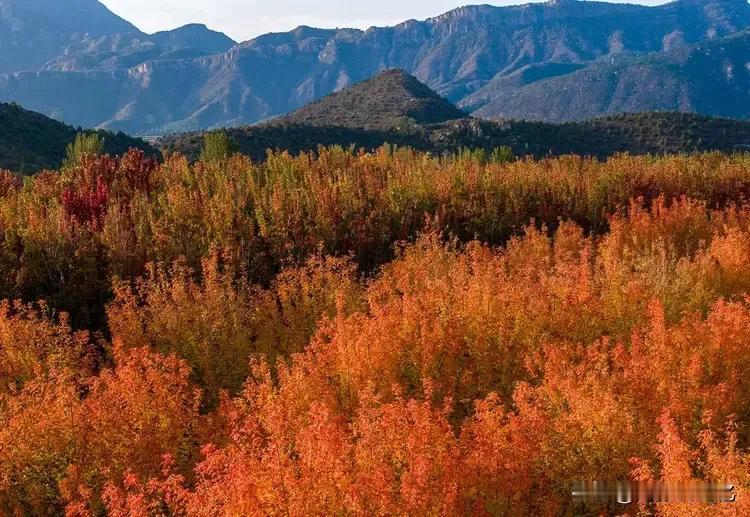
245, 339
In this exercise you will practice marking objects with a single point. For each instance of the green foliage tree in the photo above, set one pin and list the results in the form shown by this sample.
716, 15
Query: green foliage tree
503, 154
217, 146
85, 144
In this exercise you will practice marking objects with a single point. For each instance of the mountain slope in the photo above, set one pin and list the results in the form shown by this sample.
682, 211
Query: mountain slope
390, 98
457, 54
30, 141
33, 32
711, 77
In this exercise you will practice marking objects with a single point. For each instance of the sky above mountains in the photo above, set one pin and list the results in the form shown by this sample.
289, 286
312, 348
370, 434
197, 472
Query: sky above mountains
245, 19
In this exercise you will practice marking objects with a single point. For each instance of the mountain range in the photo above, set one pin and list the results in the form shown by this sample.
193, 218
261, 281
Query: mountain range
564, 60
391, 108
395, 108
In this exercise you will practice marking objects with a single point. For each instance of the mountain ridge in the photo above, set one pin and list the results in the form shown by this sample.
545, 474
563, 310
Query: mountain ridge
34, 31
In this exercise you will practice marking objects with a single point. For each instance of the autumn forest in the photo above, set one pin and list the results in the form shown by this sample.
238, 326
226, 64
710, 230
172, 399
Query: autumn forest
386, 333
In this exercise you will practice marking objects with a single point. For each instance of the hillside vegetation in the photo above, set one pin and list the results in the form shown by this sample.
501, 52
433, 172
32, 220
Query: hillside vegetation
393, 99
381, 334
31, 142
644, 133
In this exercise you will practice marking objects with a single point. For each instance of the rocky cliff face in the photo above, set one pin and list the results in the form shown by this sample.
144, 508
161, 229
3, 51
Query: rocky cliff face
710, 77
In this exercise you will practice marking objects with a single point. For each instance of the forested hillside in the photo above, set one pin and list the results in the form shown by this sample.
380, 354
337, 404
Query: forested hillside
31, 142
641, 133
391, 100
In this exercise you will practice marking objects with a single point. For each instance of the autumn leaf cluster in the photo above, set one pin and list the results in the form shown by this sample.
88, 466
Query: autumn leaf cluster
372, 334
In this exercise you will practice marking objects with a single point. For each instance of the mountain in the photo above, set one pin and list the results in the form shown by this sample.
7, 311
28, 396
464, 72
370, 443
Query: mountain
474, 56
387, 100
194, 36
30, 141
710, 77
123, 51
406, 112
72, 35
32, 32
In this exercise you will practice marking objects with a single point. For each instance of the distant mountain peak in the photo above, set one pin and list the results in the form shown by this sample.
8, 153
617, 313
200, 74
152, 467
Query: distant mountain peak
389, 99
82, 16
33, 32
196, 36
194, 26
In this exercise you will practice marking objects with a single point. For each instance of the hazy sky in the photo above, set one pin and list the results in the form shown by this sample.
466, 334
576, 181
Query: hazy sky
244, 19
